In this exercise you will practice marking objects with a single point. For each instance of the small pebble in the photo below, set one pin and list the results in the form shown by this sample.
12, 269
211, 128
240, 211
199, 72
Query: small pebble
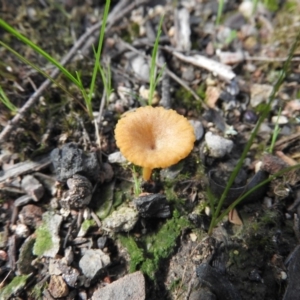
217, 145
31, 215
198, 129
207, 210
283, 275
250, 117
116, 157
101, 242
22, 231
3, 255
92, 262
57, 287
280, 120
33, 187
267, 202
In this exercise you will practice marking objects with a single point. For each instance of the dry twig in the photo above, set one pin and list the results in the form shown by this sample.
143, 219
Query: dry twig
119, 11
170, 73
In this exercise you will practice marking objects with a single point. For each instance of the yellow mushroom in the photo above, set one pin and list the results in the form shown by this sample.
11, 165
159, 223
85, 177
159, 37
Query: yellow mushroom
154, 137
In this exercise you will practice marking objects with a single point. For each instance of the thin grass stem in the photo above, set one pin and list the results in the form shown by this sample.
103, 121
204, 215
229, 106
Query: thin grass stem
98, 55
264, 114
153, 68
40, 51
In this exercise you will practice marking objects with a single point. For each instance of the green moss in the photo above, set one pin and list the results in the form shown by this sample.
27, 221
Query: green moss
186, 99
43, 240
148, 253
86, 224
13, 287
37, 291
136, 253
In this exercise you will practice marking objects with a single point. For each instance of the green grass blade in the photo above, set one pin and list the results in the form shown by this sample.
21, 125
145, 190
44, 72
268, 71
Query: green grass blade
275, 133
40, 51
98, 54
220, 11
254, 132
153, 67
29, 63
241, 198
4, 99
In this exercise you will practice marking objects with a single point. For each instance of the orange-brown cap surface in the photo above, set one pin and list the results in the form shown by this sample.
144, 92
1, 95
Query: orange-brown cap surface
154, 137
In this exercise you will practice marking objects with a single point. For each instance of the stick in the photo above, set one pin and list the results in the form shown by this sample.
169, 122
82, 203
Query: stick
113, 17
170, 73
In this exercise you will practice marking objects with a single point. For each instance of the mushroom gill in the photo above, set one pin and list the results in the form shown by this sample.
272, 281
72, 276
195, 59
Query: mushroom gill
154, 138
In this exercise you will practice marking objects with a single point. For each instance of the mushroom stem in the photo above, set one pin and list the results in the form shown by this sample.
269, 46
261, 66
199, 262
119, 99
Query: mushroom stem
147, 173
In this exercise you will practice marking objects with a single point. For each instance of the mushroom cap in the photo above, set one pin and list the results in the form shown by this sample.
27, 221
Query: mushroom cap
154, 137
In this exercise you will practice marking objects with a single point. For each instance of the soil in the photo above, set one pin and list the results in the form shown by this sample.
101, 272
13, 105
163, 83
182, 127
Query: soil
246, 254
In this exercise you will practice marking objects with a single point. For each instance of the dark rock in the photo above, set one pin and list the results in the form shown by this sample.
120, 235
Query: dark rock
153, 205
214, 281
250, 117
79, 194
218, 185
292, 291
70, 160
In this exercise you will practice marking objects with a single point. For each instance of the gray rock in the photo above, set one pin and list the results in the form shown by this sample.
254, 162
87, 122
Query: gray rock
92, 262
70, 160
140, 66
116, 157
198, 129
217, 145
130, 287
32, 187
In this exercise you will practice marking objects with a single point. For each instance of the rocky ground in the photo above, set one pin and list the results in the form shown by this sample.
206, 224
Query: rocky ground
77, 220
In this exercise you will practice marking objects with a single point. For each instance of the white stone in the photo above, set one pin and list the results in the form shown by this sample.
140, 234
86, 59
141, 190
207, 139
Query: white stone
116, 157
280, 120
92, 262
217, 145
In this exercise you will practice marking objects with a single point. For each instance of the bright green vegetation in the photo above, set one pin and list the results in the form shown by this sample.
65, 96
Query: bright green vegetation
275, 134
136, 253
86, 224
147, 253
137, 182
13, 287
4, 99
43, 240
153, 76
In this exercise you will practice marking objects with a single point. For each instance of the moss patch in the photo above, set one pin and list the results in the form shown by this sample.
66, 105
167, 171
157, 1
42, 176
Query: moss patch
87, 224
148, 253
43, 241
13, 287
